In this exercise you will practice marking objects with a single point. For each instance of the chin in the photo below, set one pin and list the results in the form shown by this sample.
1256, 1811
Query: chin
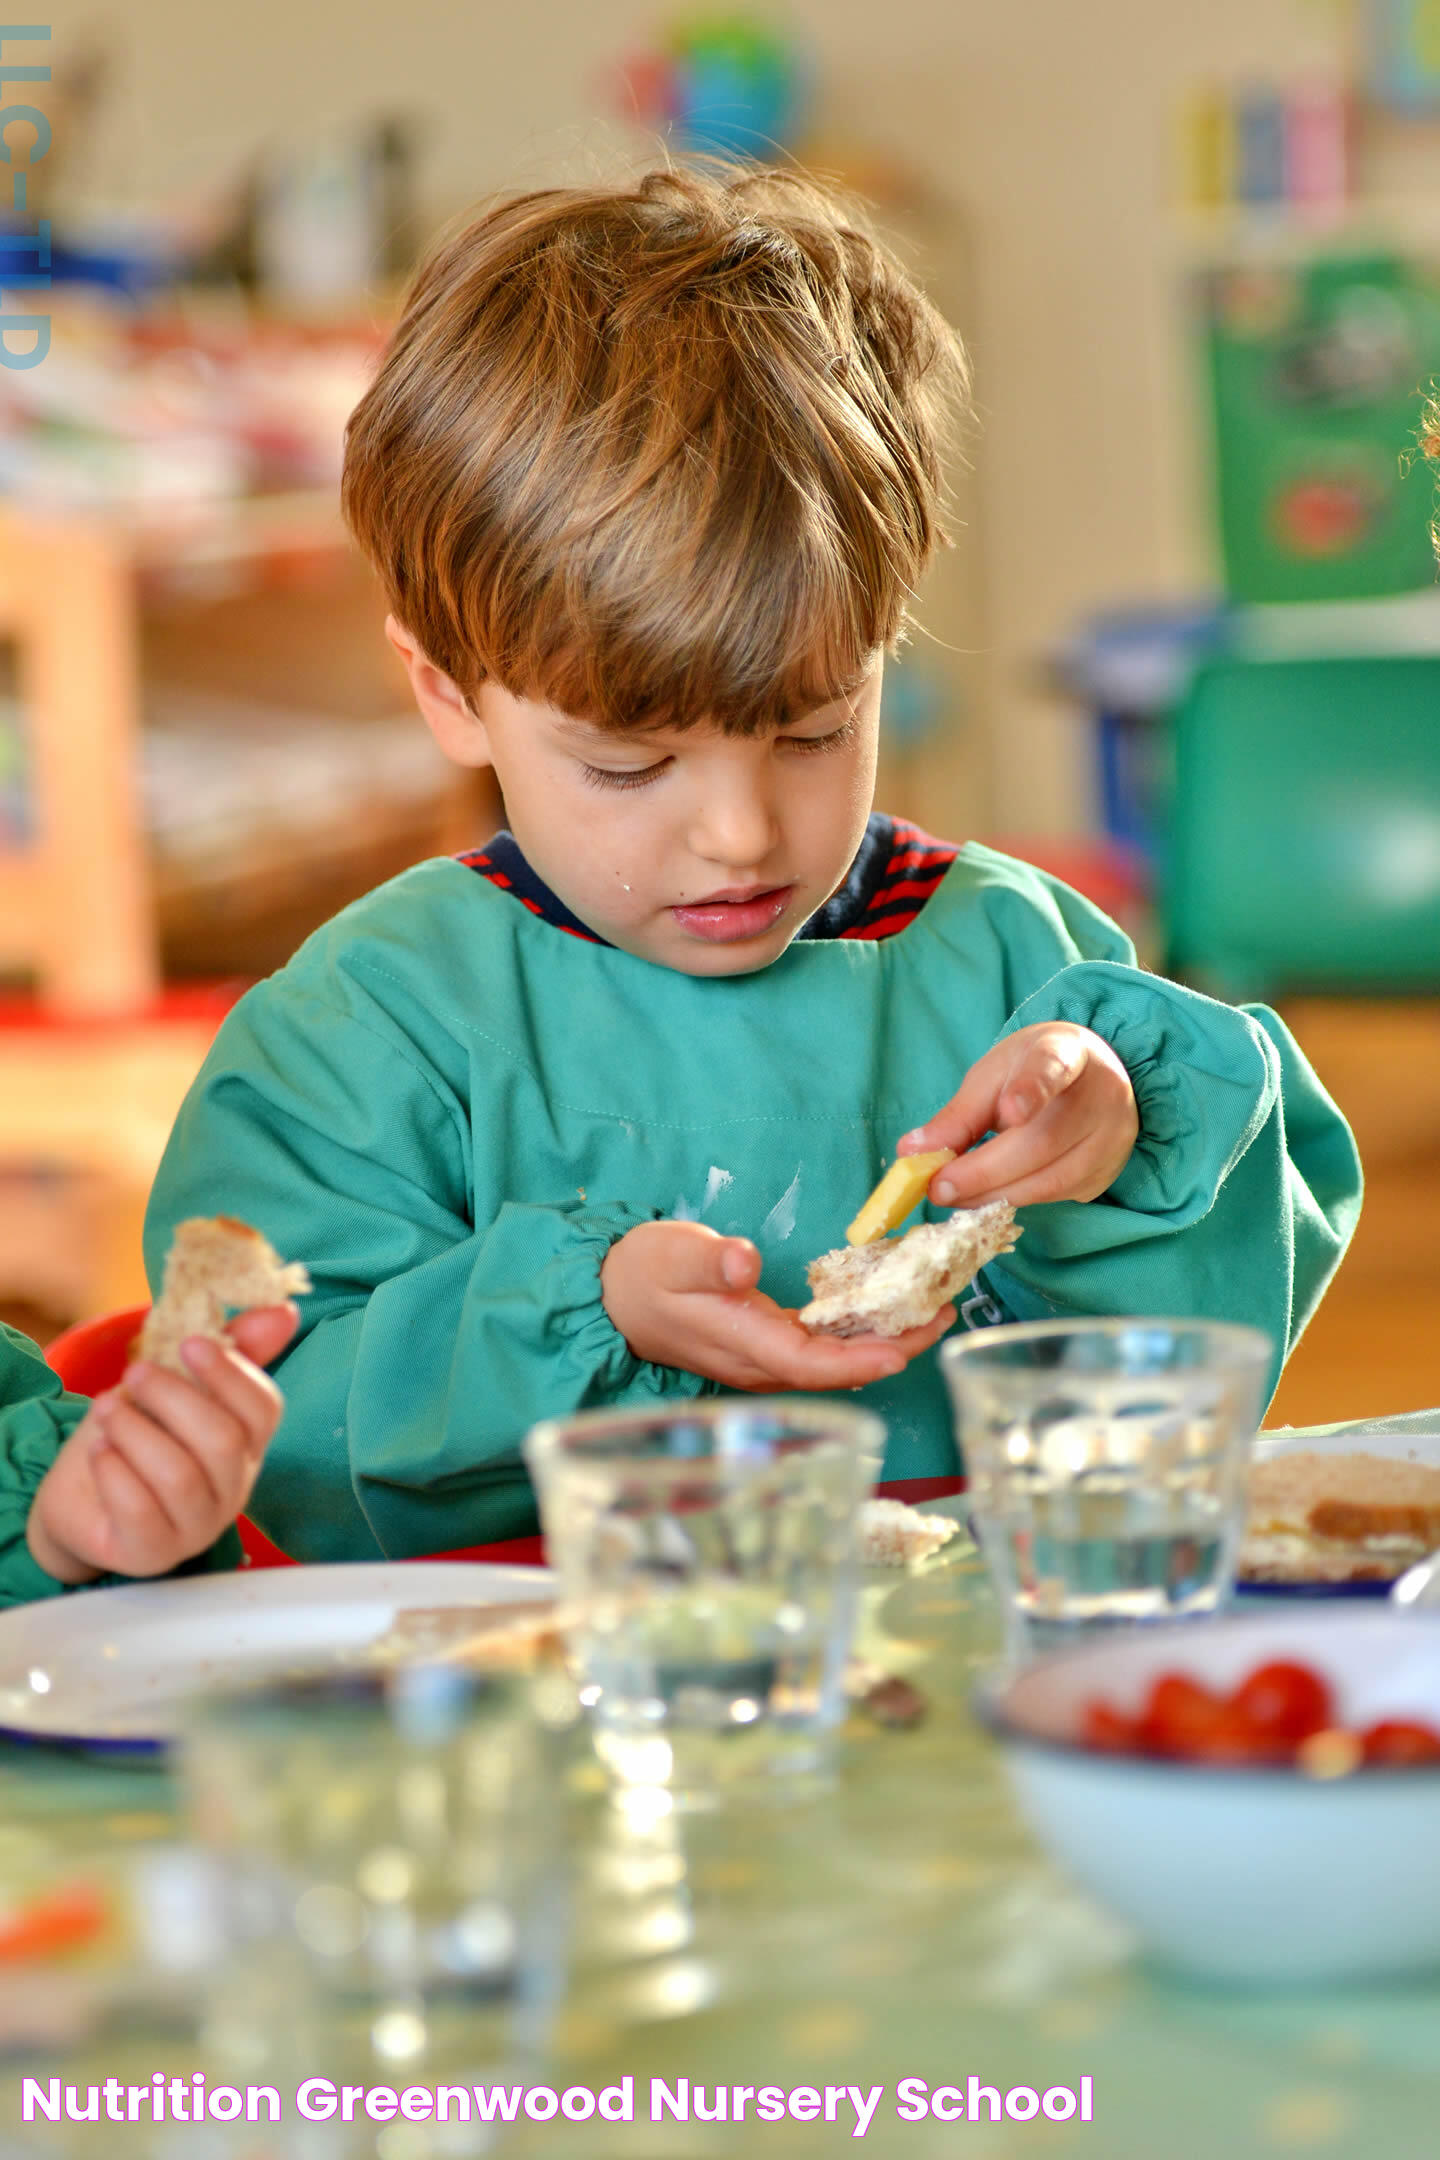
717, 960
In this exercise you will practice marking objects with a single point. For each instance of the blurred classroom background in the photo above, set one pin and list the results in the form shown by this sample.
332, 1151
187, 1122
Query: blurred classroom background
1185, 651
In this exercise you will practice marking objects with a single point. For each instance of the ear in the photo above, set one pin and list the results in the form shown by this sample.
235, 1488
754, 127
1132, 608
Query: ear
443, 705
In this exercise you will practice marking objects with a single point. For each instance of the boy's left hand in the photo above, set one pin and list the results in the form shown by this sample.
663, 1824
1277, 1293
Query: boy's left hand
1062, 1111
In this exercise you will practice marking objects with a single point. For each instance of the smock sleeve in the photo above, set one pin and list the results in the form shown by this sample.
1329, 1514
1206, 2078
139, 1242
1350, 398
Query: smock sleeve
36, 1418
431, 1341
1244, 1185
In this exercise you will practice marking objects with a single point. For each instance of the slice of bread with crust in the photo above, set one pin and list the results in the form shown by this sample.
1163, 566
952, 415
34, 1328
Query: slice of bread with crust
215, 1266
897, 1283
1338, 1518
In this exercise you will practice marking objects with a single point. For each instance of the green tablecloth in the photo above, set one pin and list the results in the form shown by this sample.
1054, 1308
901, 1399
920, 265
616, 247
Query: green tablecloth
906, 1928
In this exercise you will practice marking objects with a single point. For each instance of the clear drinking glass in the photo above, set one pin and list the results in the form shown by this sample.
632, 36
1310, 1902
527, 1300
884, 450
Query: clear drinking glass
707, 1563
385, 1860
1107, 1465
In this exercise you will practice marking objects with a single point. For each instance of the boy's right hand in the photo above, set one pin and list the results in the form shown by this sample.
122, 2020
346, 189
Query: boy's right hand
162, 1464
682, 1295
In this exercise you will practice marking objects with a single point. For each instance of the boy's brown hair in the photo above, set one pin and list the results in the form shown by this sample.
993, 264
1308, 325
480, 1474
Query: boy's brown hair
657, 453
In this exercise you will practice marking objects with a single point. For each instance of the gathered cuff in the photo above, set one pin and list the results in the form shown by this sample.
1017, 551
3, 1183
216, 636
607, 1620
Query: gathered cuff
600, 1365
1205, 1078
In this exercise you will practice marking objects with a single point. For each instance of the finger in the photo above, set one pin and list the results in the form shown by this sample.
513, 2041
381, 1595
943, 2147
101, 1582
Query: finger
740, 1264
1071, 1176
249, 1396
968, 1115
192, 1417
914, 1340
177, 1475
1043, 1069
1018, 1152
137, 1536
133, 1534
775, 1343
262, 1334
699, 1259
91, 1429
130, 1504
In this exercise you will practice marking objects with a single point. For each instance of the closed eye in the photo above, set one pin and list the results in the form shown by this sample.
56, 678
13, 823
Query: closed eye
601, 776
835, 740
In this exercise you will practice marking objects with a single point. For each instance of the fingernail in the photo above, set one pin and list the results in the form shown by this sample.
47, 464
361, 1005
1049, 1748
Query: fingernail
140, 1370
945, 1191
199, 1352
917, 1140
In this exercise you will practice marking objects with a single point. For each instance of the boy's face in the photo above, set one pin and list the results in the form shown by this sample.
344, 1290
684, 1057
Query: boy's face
700, 851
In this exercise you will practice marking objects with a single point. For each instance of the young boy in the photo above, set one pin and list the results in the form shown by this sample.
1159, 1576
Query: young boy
147, 1479
650, 474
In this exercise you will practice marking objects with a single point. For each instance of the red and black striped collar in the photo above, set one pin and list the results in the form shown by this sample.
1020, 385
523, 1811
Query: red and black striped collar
894, 873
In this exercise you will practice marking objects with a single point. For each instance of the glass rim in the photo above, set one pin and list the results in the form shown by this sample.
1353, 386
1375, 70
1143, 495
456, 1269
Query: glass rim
549, 1441
1245, 1345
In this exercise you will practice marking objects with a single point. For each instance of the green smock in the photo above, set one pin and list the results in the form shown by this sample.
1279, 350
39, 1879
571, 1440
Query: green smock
36, 1418
450, 1109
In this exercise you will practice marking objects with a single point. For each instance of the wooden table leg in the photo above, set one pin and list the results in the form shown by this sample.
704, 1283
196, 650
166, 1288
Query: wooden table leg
96, 942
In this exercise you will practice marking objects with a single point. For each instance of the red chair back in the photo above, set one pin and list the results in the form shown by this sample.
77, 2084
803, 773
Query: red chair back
92, 1356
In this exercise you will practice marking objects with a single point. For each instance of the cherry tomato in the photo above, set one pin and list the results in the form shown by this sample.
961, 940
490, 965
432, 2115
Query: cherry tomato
1397, 1741
1284, 1701
1180, 1715
1233, 1739
1103, 1726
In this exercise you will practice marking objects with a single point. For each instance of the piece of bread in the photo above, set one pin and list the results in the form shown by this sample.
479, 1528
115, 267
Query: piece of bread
1338, 1518
894, 1535
521, 1636
215, 1266
898, 1283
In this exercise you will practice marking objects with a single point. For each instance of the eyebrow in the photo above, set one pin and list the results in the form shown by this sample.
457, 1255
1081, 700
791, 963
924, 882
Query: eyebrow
582, 732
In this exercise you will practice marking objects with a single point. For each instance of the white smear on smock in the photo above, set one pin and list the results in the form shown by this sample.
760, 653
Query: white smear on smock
780, 1222
715, 1184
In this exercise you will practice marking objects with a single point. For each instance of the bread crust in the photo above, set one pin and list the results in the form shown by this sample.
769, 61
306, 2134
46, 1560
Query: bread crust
215, 1266
1339, 1518
897, 1283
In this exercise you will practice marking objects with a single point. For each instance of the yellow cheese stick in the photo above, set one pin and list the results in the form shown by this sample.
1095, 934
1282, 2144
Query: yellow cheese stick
902, 1188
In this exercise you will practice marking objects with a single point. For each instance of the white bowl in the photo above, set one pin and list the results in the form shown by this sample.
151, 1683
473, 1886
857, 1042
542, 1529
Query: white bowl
1255, 1875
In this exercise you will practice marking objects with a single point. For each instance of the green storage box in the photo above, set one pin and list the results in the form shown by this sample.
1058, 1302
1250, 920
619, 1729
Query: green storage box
1303, 829
1318, 373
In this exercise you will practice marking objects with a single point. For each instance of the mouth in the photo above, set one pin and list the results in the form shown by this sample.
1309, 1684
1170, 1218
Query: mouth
726, 917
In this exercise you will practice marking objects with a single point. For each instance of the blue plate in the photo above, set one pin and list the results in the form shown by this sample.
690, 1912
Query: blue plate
1314, 1589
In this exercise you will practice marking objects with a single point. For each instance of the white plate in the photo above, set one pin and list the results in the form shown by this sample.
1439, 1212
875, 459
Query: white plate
109, 1668
1402, 1439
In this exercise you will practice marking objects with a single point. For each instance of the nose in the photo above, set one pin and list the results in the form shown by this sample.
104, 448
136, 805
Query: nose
734, 823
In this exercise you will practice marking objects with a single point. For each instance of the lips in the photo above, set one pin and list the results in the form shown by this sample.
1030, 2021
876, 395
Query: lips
724, 918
